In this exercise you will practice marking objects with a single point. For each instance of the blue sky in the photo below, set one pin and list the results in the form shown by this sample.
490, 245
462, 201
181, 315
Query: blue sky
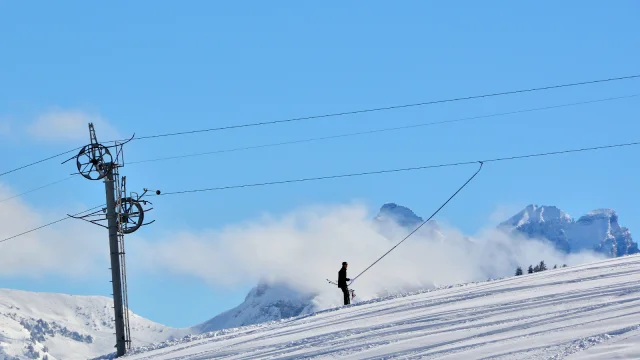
155, 67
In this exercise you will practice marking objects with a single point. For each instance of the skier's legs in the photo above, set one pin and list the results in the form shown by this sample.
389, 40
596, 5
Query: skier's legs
347, 297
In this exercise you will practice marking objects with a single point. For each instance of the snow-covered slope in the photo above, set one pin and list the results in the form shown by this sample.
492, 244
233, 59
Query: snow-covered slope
588, 311
598, 230
264, 302
56, 326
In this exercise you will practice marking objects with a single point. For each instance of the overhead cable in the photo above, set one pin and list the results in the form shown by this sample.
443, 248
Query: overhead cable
49, 224
39, 161
394, 107
368, 132
337, 136
395, 170
36, 189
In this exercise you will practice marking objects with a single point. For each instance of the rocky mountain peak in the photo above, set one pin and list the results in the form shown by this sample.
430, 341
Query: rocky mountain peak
401, 215
538, 214
597, 230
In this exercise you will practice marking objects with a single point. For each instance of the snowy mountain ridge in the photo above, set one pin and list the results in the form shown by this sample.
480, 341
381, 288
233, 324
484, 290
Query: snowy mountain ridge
598, 230
58, 326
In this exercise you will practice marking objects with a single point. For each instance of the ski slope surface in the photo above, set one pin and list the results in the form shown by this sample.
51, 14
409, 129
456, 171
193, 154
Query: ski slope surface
583, 312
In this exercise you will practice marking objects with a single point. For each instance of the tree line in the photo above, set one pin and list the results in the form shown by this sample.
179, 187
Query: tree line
539, 267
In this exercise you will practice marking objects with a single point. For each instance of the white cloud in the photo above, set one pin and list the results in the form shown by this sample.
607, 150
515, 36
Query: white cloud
301, 249
305, 247
71, 126
70, 248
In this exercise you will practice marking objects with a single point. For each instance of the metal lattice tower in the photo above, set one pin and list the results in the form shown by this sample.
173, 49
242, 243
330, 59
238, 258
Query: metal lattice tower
124, 215
120, 185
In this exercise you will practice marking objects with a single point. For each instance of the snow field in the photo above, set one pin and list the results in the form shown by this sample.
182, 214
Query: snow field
591, 310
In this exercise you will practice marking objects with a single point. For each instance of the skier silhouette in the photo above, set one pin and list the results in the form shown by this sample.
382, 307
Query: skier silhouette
342, 283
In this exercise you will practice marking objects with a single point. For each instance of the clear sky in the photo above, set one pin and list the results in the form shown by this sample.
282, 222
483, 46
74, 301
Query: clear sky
156, 67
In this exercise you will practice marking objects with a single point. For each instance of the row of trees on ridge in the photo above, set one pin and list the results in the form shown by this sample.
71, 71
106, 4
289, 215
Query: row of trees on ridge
539, 267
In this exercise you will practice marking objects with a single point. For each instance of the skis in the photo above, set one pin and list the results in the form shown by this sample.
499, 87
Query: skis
331, 282
352, 291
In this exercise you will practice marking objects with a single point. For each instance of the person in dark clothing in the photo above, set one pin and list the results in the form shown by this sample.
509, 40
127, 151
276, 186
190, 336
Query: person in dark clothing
342, 283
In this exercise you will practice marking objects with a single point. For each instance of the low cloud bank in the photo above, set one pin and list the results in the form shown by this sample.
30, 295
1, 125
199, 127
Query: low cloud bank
303, 248
299, 249
72, 248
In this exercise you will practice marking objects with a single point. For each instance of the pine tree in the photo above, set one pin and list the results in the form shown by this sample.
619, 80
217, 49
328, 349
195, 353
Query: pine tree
555, 266
518, 271
536, 269
530, 271
565, 265
542, 266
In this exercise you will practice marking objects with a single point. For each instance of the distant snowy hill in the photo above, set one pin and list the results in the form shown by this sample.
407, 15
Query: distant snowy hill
264, 302
56, 326
598, 230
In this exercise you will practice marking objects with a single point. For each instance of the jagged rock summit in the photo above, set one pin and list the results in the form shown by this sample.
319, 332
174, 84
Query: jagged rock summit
542, 222
395, 221
538, 214
598, 230
401, 215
